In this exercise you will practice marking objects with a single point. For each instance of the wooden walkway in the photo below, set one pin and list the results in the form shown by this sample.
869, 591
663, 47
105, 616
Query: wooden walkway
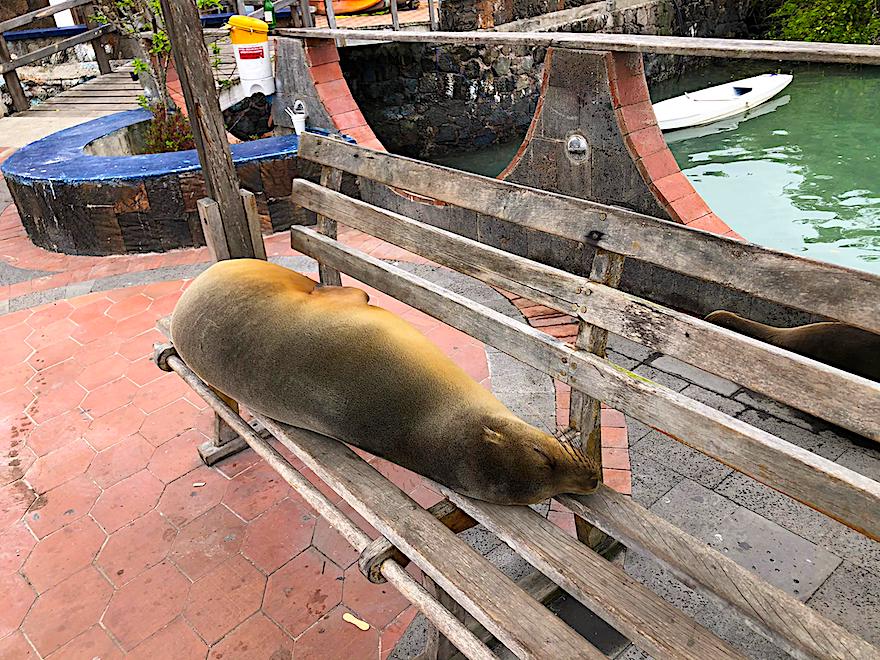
100, 96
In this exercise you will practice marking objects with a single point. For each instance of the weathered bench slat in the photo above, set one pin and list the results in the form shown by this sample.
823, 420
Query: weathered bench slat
824, 485
800, 630
468, 642
784, 278
645, 618
634, 43
48, 51
517, 620
844, 399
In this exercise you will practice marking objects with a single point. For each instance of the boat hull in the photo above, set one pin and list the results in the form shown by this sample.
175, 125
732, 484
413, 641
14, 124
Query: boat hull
720, 102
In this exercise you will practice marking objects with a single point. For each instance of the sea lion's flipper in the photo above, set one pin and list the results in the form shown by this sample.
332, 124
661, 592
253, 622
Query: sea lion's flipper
344, 294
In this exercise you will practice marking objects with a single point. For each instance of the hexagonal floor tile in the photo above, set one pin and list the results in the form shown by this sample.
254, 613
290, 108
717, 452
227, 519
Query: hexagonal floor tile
63, 553
94, 643
348, 641
255, 490
280, 534
62, 505
207, 541
257, 637
302, 591
66, 610
170, 421
122, 460
223, 598
108, 429
60, 466
176, 457
17, 599
57, 432
16, 543
183, 501
127, 500
16, 646
135, 548
377, 604
176, 635
146, 604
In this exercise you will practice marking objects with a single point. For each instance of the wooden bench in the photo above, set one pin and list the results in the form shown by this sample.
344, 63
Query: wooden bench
467, 600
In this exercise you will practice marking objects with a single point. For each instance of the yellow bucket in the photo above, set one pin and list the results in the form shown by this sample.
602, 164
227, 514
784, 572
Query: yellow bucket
246, 30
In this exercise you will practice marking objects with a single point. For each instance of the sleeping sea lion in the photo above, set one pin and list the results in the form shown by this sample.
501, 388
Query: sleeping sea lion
323, 359
837, 344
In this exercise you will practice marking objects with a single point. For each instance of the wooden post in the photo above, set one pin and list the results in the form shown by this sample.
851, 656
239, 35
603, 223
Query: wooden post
585, 413
101, 57
203, 106
432, 13
395, 19
437, 646
13, 83
306, 13
330, 178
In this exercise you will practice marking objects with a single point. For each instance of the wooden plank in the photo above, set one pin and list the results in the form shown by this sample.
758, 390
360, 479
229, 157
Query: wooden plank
253, 216
395, 17
331, 179
645, 618
212, 228
844, 399
797, 51
837, 491
45, 12
57, 47
799, 629
203, 108
523, 625
784, 278
395, 574
20, 102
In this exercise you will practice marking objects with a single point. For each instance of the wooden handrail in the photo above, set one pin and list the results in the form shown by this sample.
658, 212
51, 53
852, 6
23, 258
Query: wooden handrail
48, 51
45, 12
797, 51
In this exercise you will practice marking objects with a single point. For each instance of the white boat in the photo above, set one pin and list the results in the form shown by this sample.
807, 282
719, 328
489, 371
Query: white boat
720, 102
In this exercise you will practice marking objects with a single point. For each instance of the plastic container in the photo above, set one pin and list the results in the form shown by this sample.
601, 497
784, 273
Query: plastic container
250, 43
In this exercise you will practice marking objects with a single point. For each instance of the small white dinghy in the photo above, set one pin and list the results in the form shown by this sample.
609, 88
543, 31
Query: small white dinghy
720, 102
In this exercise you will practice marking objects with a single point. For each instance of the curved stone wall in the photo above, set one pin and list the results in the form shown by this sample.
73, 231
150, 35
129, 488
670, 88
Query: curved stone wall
73, 202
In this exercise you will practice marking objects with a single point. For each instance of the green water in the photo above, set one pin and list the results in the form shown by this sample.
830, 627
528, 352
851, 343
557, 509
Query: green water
803, 177
800, 174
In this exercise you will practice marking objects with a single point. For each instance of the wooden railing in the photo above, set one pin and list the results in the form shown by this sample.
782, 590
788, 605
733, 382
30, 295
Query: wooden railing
9, 66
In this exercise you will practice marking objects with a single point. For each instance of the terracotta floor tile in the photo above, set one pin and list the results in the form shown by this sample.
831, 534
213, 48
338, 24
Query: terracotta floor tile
62, 505
225, 597
114, 426
279, 534
614, 436
93, 310
63, 553
399, 476
16, 647
160, 289
613, 418
94, 643
102, 372
56, 401
17, 598
160, 393
237, 463
377, 604
16, 543
60, 466
425, 496
143, 371
134, 304
101, 347
615, 458
15, 498
135, 326
255, 490
348, 641
127, 500
177, 635
16, 461
176, 457
57, 432
109, 397
140, 346
207, 541
302, 591
13, 375
66, 610
50, 334
182, 501
619, 480
136, 547
169, 421
51, 354
146, 604
564, 520
257, 637
393, 632
123, 459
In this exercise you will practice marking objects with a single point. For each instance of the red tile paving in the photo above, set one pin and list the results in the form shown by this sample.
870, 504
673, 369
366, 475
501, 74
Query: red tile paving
109, 543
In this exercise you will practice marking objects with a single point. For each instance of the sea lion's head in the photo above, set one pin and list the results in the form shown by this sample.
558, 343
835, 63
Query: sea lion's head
520, 464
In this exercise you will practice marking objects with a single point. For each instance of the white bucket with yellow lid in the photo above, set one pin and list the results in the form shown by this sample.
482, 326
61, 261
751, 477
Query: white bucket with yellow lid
250, 43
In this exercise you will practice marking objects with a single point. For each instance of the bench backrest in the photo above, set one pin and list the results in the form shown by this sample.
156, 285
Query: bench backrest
850, 401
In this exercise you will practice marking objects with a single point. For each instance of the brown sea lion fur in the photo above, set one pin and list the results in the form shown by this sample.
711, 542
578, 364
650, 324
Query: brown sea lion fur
837, 344
325, 360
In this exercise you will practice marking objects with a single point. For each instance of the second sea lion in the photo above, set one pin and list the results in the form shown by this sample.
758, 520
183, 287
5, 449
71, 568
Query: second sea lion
836, 344
324, 359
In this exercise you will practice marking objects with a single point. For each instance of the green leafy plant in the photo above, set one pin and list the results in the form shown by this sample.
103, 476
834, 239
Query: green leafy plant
169, 130
844, 21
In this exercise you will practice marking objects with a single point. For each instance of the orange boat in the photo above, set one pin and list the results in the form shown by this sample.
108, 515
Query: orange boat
341, 7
